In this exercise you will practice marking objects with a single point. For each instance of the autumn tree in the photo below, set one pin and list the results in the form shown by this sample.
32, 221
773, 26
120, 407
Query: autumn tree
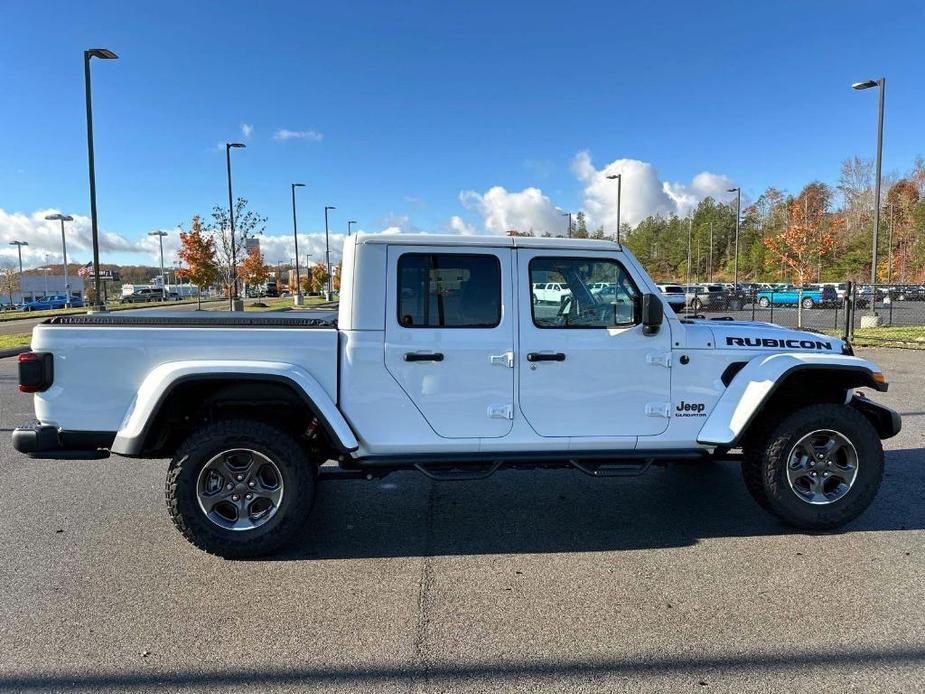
318, 278
9, 280
253, 269
808, 236
338, 271
197, 251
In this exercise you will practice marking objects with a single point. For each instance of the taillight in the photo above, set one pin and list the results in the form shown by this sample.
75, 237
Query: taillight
36, 371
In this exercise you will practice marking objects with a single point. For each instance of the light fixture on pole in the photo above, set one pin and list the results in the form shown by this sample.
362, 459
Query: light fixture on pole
102, 54
868, 84
349, 224
735, 258
234, 251
165, 287
297, 297
327, 253
619, 179
57, 217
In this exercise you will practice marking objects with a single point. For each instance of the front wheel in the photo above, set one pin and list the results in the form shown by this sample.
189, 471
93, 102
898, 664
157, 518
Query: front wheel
807, 302
240, 489
818, 469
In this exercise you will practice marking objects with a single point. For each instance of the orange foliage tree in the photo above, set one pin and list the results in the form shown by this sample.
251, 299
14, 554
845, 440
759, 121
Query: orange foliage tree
253, 269
198, 252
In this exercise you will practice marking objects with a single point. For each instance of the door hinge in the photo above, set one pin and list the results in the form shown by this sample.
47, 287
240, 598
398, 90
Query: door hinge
501, 411
659, 359
658, 409
504, 359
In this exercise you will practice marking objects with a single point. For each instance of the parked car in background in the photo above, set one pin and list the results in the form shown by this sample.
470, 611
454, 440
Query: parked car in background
714, 297
550, 292
674, 295
56, 301
143, 296
789, 295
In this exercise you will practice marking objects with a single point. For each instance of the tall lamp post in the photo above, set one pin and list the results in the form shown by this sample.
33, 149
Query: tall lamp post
735, 259
232, 300
297, 297
619, 179
102, 54
165, 287
569, 215
350, 224
63, 218
873, 322
19, 245
327, 253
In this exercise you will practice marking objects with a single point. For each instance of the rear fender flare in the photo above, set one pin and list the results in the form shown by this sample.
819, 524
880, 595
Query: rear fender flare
161, 380
751, 388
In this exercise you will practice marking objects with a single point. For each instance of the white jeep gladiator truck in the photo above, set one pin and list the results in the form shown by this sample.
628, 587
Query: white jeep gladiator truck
440, 360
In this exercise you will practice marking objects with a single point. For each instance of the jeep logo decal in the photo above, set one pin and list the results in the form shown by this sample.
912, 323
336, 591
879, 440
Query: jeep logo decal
774, 342
690, 409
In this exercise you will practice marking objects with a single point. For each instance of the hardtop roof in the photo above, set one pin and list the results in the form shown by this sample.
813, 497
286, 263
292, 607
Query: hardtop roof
487, 241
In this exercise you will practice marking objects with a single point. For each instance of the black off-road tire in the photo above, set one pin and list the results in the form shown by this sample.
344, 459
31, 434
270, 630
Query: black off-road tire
764, 469
298, 478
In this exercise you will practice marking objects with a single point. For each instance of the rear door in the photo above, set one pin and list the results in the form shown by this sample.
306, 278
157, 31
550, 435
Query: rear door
450, 336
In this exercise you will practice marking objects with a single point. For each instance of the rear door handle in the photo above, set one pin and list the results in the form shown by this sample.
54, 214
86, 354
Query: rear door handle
545, 356
423, 356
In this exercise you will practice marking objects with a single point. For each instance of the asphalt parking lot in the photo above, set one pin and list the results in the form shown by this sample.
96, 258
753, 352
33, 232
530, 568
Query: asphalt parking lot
542, 581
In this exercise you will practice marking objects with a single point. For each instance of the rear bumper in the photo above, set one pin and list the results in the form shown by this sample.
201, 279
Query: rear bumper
49, 442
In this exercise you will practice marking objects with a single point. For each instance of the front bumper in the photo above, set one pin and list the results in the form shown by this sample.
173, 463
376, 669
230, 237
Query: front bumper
47, 441
887, 422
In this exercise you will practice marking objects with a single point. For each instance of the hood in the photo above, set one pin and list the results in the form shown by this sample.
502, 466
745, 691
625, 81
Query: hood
767, 336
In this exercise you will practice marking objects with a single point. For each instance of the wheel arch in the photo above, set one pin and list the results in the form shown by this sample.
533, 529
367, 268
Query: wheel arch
769, 385
193, 384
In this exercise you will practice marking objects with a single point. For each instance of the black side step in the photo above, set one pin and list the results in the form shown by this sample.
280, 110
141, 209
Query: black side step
452, 473
611, 469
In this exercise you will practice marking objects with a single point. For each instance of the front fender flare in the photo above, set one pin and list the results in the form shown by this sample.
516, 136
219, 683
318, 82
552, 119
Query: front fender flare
755, 383
160, 381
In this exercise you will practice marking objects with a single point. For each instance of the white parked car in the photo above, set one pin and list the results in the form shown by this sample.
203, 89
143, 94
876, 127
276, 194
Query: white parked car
675, 295
550, 292
440, 361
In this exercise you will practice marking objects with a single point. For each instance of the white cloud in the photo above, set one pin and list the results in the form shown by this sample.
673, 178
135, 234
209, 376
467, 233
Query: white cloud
247, 130
44, 238
503, 210
307, 135
643, 192
458, 225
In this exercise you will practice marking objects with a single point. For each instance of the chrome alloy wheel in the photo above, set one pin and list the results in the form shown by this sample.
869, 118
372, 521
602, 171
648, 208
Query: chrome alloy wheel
239, 489
822, 467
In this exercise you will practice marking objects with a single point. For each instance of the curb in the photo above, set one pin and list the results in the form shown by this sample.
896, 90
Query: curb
14, 351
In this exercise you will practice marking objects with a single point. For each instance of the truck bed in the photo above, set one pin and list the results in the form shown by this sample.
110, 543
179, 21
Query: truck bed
101, 361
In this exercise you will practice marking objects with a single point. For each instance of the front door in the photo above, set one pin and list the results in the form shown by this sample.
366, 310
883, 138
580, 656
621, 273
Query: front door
586, 369
449, 337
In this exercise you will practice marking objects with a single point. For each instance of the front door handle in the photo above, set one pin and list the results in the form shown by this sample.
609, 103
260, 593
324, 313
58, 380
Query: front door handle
545, 356
423, 356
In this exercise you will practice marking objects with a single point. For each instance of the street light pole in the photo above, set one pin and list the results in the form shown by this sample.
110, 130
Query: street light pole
234, 251
297, 298
327, 253
19, 245
349, 224
102, 54
735, 261
873, 266
619, 178
569, 215
711, 250
165, 287
63, 218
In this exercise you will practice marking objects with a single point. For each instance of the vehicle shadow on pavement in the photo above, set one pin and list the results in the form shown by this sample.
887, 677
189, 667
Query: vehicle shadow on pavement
699, 669
517, 512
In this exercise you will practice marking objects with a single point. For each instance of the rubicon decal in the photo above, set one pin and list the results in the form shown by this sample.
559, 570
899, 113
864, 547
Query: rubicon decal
775, 342
690, 409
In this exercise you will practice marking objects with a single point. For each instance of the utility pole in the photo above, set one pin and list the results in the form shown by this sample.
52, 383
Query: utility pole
327, 253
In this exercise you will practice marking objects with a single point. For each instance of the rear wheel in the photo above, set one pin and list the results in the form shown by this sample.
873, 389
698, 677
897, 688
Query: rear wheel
807, 302
818, 469
764, 302
240, 489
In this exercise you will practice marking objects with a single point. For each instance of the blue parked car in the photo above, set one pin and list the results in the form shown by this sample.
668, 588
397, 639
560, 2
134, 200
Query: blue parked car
47, 303
790, 296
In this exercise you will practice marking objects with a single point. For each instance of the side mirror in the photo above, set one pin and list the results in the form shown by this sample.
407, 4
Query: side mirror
653, 312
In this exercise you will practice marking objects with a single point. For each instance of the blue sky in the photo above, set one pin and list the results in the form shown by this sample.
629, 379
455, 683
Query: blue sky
426, 116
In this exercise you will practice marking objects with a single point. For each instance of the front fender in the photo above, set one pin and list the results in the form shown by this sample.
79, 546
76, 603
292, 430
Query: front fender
157, 385
754, 384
